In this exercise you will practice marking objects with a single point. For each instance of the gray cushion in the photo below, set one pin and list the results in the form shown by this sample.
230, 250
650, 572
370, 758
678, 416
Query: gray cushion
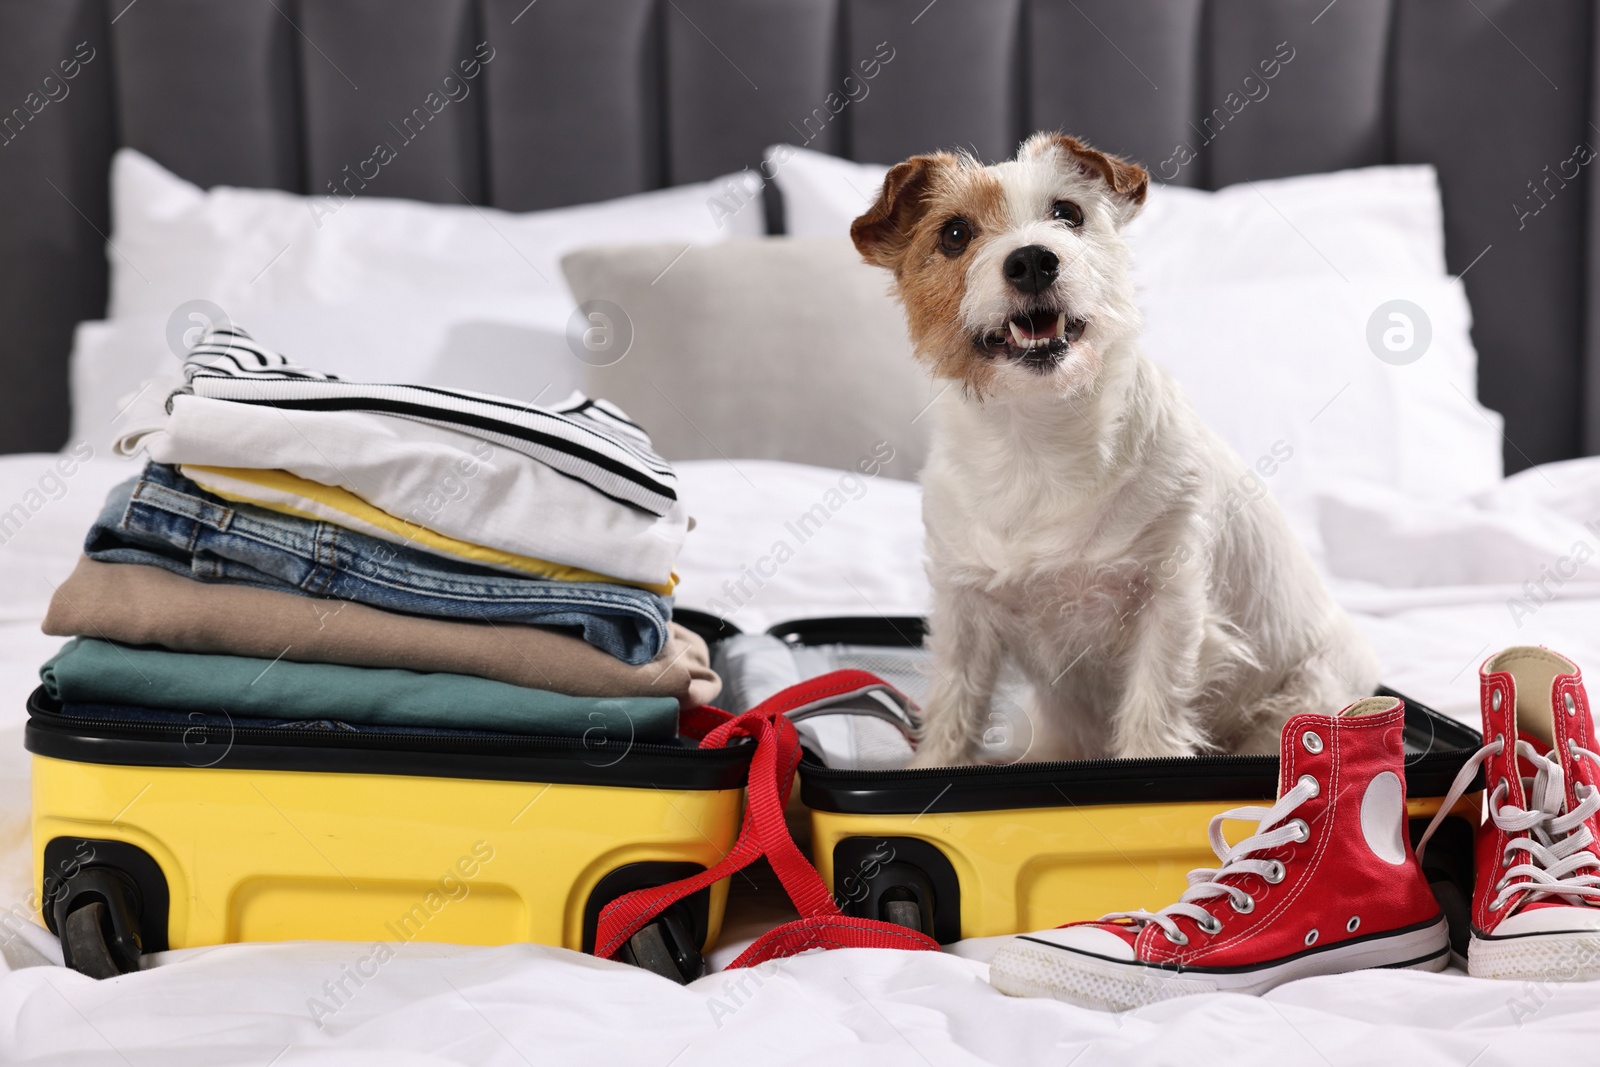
783, 348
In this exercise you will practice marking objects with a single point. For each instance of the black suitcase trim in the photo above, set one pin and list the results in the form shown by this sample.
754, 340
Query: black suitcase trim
1079, 783
899, 631
1438, 747
465, 754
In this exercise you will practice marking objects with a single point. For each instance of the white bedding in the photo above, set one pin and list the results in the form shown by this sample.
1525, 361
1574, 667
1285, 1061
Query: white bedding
1430, 585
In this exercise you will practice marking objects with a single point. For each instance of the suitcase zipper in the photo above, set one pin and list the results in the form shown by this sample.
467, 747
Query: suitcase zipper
1189, 766
364, 738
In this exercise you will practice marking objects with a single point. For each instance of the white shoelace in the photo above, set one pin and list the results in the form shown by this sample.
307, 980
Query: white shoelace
1557, 861
1205, 883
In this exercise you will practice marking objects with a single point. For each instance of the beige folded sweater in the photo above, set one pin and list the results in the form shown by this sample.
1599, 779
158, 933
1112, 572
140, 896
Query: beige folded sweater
140, 605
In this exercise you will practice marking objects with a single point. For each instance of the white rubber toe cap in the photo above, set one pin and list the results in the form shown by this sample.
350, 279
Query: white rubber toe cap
1090, 939
1549, 921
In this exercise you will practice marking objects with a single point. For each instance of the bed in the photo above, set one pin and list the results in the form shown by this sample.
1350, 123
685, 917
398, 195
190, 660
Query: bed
585, 102
440, 1004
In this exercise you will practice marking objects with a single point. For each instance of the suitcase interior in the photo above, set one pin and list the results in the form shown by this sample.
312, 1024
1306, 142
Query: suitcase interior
922, 839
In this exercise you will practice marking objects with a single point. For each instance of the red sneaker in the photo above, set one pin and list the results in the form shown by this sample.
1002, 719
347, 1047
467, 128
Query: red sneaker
1326, 884
1536, 901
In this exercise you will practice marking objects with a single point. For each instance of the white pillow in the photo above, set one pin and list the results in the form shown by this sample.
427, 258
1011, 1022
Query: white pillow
1281, 369
509, 348
247, 249
1373, 222
1259, 298
822, 194
1376, 222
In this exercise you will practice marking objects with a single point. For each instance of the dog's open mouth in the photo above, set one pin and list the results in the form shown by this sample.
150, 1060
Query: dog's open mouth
1037, 337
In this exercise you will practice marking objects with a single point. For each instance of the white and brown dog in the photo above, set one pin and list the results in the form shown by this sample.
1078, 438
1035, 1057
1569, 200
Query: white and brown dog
1082, 522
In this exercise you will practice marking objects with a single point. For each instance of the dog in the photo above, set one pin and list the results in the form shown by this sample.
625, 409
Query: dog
1082, 523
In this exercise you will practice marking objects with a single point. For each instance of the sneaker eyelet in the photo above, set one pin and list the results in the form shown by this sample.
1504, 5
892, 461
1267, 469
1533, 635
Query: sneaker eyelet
1302, 830
1246, 908
1276, 874
1572, 705
1353, 925
1312, 741
1316, 787
1496, 700
1181, 940
1213, 927
1311, 938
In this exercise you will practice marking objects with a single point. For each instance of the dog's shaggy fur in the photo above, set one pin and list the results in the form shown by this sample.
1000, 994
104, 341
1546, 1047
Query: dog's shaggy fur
1082, 523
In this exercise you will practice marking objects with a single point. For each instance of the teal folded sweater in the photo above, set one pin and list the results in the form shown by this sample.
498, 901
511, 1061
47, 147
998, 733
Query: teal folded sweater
90, 671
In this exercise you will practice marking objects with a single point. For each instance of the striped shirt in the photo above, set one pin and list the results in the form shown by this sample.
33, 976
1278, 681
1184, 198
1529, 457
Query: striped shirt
590, 440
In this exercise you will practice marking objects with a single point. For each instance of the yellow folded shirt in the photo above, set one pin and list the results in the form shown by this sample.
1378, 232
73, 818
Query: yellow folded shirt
289, 494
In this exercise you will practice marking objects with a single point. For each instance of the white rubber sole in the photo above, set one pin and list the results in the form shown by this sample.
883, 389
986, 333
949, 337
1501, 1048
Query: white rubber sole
1023, 968
1561, 957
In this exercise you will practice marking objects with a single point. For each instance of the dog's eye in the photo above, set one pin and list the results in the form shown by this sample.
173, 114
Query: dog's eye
955, 236
1068, 212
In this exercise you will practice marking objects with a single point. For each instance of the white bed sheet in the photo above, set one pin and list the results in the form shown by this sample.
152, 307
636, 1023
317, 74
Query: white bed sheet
254, 1004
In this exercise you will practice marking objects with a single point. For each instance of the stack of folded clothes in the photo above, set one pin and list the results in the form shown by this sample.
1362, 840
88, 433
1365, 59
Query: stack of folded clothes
306, 550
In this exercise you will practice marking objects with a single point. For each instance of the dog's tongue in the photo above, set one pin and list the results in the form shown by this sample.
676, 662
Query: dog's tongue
1035, 325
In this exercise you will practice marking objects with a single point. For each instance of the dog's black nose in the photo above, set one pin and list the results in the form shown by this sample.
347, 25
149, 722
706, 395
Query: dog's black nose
1032, 268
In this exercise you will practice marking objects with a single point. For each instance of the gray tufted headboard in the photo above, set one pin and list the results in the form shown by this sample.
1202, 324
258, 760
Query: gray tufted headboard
588, 99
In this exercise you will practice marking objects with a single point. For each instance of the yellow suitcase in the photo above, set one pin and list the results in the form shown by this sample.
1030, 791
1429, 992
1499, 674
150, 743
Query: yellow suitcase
990, 850
178, 831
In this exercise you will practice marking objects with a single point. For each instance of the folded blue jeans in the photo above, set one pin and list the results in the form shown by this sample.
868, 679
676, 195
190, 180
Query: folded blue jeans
163, 519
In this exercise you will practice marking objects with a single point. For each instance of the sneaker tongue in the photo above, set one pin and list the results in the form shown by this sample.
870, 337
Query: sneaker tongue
1532, 671
1369, 706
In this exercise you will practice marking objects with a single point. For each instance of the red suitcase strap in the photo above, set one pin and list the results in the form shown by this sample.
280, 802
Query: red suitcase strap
764, 833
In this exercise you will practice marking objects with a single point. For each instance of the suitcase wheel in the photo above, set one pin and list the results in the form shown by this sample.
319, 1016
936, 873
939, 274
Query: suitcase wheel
899, 880
666, 947
669, 945
903, 894
907, 913
98, 918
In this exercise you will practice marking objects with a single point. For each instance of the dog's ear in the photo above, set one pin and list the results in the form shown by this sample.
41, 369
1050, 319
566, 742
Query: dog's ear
883, 232
1128, 182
